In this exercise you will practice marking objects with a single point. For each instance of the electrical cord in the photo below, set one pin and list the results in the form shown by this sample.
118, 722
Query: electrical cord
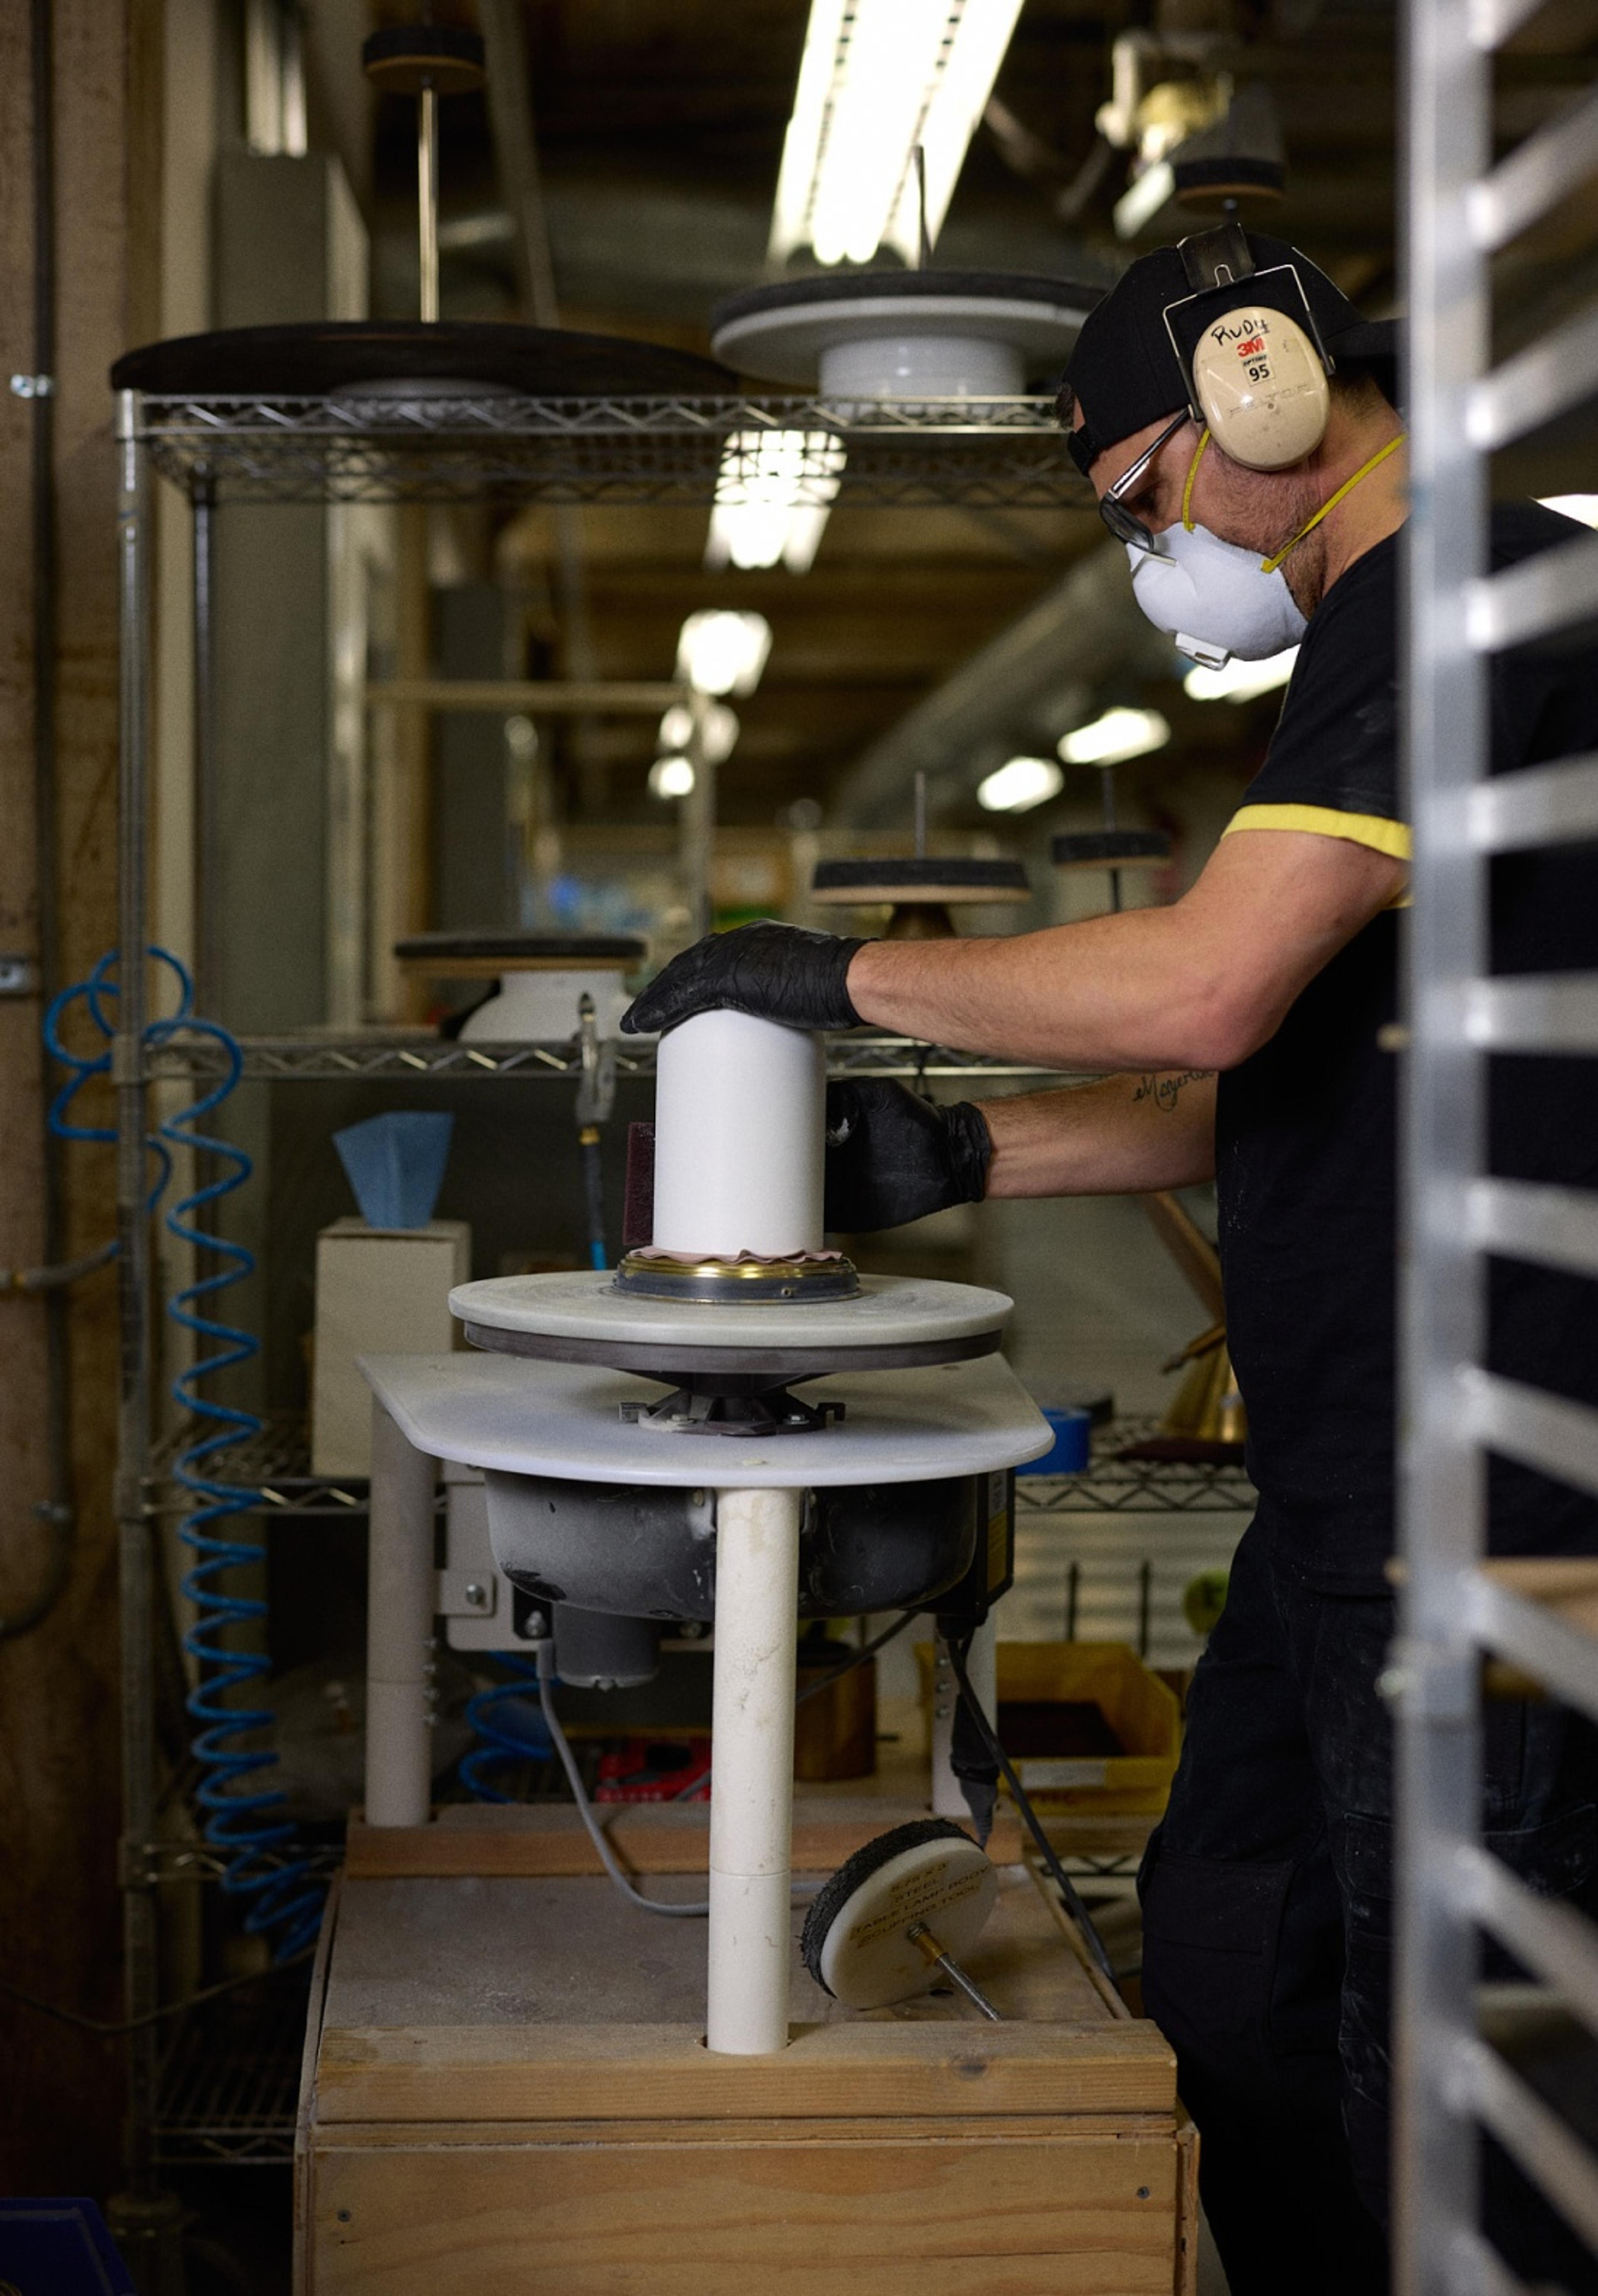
113, 2029
858, 1658
28, 1282
695, 1910
1045, 1848
596, 1833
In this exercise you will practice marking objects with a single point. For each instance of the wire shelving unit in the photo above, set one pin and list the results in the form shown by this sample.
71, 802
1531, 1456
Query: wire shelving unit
1001, 452
213, 2092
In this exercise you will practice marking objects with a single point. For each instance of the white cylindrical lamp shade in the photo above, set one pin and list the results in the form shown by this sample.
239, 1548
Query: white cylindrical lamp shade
739, 1127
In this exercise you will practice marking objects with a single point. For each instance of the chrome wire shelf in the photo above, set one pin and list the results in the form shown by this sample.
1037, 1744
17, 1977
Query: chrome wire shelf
1112, 1485
228, 2085
275, 1464
394, 1055
358, 446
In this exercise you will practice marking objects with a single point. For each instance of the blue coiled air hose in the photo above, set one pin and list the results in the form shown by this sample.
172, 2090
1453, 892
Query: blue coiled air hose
502, 1746
281, 1900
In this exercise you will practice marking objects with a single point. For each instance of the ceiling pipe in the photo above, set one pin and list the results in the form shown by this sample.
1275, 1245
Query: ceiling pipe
1025, 687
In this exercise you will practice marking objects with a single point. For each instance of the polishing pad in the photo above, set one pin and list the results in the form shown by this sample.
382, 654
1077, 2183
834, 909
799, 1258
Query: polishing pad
857, 1939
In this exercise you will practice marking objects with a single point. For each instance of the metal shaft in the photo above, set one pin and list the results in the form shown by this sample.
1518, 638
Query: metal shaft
427, 200
141, 1971
921, 1935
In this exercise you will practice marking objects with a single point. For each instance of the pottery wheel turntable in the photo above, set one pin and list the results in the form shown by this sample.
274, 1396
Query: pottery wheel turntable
729, 1497
920, 889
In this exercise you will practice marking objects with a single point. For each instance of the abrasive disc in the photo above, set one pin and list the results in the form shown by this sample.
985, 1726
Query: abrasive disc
857, 1939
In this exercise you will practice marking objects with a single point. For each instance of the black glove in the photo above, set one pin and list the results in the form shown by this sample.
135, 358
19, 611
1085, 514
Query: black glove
777, 973
892, 1157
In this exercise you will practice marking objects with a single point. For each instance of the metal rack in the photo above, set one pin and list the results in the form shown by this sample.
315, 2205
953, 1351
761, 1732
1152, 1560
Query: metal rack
404, 1055
361, 447
1452, 2082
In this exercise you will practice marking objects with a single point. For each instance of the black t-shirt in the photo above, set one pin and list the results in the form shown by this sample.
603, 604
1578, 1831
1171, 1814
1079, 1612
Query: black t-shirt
1306, 1127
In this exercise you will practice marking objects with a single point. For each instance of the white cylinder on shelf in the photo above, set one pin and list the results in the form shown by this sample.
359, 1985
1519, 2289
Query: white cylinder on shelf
740, 1125
750, 1940
915, 365
400, 1603
540, 1007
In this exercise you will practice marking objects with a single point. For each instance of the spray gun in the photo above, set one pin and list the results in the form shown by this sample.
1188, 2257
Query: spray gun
595, 1097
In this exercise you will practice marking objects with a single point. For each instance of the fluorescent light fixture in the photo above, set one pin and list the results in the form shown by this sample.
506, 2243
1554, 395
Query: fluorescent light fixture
1117, 736
671, 777
723, 652
719, 730
772, 498
1019, 786
1583, 507
878, 77
1142, 203
1241, 681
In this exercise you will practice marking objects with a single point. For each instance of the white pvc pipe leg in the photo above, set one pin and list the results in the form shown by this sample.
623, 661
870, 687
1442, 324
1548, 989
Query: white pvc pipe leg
982, 1665
751, 1781
400, 1602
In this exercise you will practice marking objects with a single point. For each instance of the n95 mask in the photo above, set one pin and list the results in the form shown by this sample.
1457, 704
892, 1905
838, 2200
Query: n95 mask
1211, 595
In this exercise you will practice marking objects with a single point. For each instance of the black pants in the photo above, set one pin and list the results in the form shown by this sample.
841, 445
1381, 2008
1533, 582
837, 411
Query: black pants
1266, 1895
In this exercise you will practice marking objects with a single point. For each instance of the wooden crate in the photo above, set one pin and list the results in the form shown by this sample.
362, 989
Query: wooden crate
1140, 1709
505, 2090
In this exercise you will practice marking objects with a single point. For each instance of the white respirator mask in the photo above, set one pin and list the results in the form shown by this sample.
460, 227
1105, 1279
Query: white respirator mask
1211, 595
1217, 599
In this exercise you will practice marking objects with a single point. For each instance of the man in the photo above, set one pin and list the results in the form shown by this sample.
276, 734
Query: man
1258, 1005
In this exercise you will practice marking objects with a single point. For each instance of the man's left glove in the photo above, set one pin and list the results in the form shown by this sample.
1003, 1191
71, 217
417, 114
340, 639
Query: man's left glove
776, 972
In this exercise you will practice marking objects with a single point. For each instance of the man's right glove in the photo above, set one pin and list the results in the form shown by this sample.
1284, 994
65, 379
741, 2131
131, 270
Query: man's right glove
892, 1157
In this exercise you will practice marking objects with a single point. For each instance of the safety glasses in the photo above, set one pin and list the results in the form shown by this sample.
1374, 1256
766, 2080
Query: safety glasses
1123, 523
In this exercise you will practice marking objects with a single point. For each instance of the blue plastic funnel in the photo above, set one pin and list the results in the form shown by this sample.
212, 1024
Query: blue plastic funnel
395, 1163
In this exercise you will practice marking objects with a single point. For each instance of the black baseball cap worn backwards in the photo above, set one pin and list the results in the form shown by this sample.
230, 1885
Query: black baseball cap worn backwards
1129, 365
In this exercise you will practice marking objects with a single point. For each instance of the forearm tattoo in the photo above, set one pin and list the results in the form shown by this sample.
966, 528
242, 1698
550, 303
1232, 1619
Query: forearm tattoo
1165, 1091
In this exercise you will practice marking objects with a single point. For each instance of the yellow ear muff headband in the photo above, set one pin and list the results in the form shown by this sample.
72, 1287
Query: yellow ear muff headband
1269, 565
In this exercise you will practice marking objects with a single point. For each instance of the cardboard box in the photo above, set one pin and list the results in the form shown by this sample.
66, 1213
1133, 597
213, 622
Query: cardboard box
379, 1290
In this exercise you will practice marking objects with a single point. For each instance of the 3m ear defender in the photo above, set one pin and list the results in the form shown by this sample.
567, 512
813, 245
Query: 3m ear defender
1256, 369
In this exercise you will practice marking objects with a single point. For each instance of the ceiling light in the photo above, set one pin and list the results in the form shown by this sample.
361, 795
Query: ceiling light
1019, 786
1583, 507
1242, 681
723, 652
877, 78
772, 496
1117, 734
719, 730
671, 777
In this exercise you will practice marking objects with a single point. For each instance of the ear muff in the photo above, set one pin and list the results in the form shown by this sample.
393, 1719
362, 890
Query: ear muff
1259, 382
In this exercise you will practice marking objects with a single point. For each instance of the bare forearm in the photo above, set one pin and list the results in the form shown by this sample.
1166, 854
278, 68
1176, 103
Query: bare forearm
1123, 1136
1198, 985
1113, 992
